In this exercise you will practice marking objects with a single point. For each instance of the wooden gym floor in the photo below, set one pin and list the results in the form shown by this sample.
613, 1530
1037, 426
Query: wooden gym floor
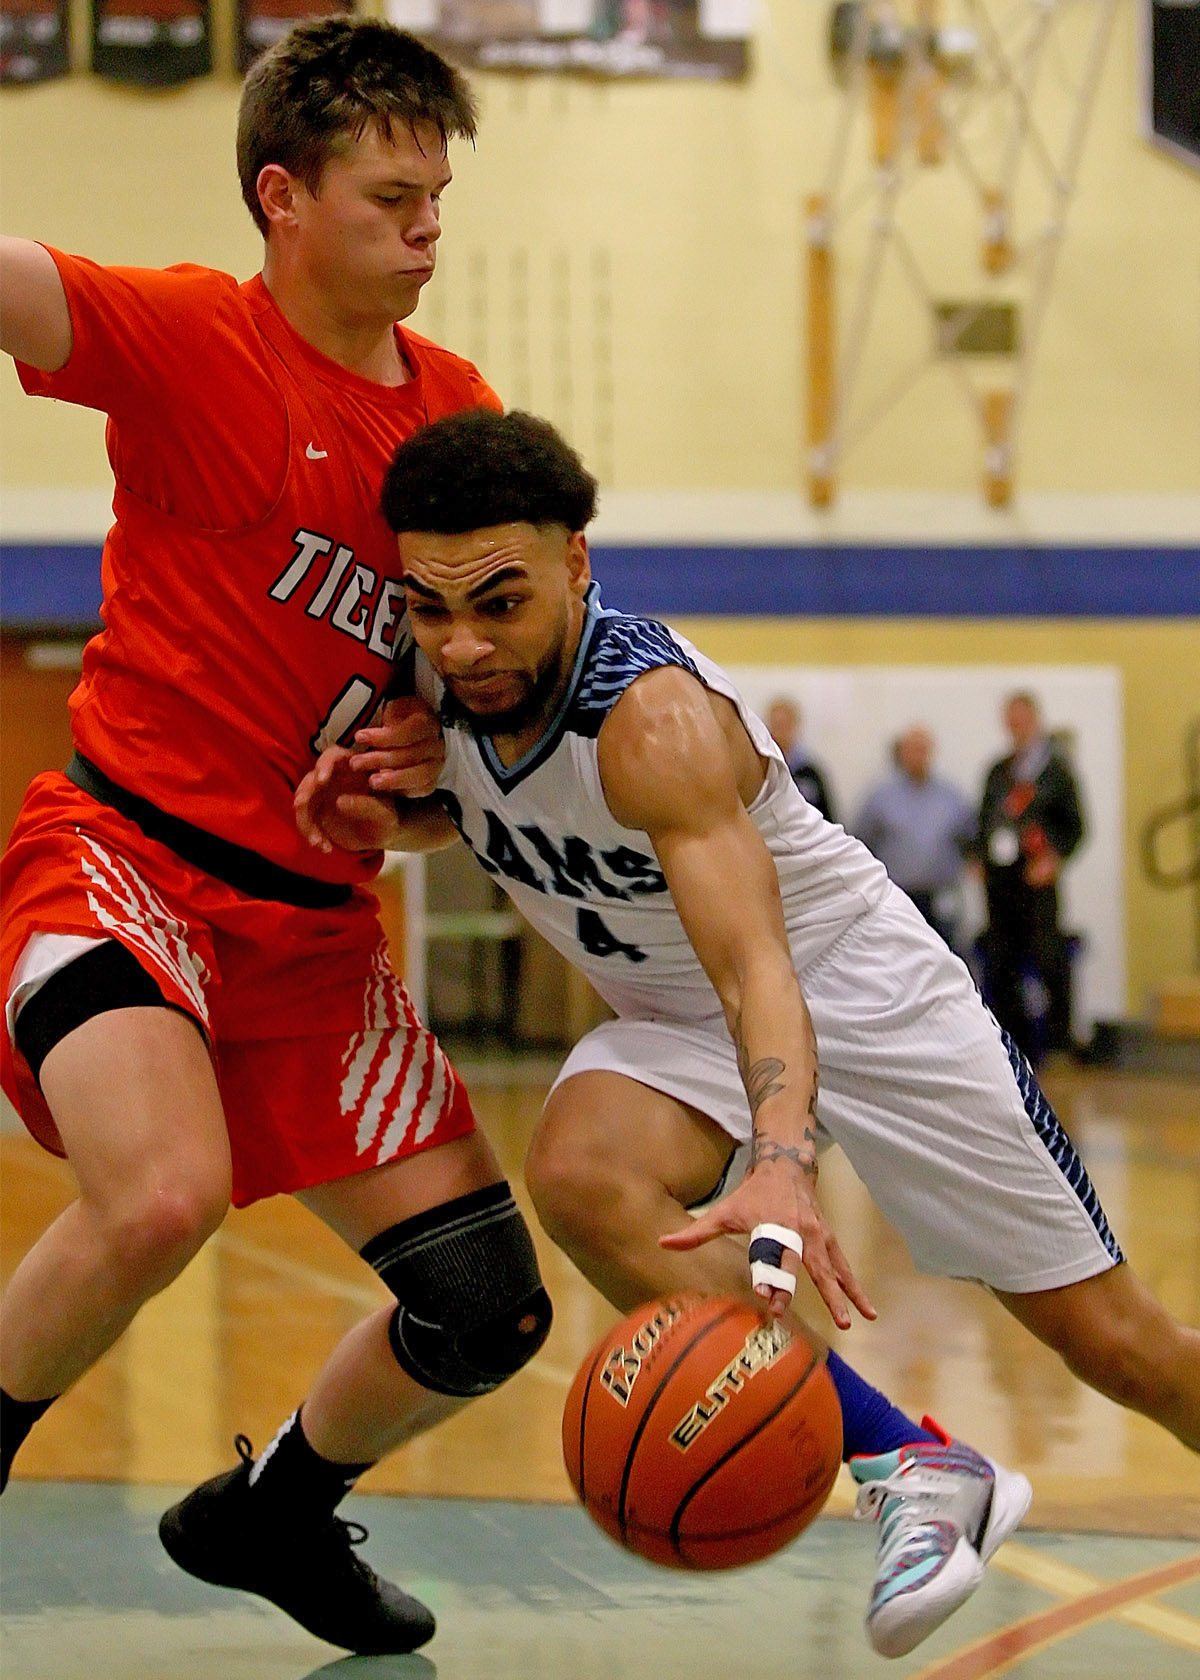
1104, 1581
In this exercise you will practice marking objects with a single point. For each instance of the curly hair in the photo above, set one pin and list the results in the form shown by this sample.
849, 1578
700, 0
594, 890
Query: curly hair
325, 81
481, 468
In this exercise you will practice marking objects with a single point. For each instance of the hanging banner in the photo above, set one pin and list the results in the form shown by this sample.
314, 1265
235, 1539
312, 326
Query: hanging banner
674, 38
1173, 64
260, 23
34, 41
155, 43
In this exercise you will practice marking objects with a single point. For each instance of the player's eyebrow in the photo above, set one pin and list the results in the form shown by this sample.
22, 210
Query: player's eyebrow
416, 587
401, 184
506, 575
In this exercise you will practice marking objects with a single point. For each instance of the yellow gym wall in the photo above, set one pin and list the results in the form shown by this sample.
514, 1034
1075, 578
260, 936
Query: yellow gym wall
629, 259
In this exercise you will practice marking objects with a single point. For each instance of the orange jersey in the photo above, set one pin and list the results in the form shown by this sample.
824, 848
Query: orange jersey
253, 606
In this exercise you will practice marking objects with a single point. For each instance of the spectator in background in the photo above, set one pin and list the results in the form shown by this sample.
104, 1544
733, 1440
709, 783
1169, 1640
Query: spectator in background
784, 721
1030, 822
920, 827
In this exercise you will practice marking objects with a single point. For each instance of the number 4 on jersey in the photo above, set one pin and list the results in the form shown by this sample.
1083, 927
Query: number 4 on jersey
598, 939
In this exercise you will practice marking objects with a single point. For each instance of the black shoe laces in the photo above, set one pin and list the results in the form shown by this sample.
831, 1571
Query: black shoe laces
347, 1533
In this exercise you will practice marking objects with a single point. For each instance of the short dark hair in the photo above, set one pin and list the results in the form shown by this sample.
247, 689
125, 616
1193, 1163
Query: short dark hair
481, 468
330, 78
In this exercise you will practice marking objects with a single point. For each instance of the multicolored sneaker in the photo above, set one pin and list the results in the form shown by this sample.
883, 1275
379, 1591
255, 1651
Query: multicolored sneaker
943, 1509
223, 1534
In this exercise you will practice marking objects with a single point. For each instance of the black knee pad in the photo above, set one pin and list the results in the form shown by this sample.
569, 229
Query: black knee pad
472, 1308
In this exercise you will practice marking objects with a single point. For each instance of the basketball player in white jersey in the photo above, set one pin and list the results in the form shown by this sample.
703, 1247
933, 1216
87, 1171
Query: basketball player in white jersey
611, 779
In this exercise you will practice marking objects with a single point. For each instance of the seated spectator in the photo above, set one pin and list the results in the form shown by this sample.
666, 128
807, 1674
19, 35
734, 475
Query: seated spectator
920, 827
783, 719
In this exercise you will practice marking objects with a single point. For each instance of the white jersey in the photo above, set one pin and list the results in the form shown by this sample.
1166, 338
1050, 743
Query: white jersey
594, 889
936, 1109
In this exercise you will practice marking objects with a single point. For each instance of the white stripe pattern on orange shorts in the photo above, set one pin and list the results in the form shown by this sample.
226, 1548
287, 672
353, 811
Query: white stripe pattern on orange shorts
128, 908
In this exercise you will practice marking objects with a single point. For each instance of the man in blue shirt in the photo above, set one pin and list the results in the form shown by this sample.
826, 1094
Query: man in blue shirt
919, 826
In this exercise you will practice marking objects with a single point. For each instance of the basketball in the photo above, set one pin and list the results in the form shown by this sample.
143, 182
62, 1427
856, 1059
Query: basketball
702, 1434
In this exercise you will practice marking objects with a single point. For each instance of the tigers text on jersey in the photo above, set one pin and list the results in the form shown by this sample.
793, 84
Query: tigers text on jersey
595, 889
253, 610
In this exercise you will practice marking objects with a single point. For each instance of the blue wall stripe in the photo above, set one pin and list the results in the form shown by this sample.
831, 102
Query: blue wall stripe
840, 581
48, 585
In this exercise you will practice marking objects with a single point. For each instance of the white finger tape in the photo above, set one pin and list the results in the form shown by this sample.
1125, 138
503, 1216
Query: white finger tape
774, 1276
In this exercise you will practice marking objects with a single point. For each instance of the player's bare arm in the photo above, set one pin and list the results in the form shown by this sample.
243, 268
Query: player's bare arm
35, 323
374, 795
403, 750
335, 809
677, 763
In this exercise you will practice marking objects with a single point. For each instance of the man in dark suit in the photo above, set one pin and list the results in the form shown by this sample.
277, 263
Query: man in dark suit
784, 722
1030, 822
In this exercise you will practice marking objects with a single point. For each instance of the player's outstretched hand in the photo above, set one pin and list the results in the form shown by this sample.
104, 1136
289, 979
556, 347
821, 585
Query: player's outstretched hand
768, 1197
404, 752
335, 806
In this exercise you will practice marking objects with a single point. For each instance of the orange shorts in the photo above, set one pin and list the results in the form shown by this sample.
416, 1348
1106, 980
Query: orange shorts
323, 1066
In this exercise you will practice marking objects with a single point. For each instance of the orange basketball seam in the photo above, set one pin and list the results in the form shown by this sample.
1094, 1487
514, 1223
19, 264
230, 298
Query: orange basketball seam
673, 1531
643, 1421
583, 1406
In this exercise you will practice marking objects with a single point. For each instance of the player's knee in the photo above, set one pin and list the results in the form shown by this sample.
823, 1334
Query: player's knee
568, 1190
1117, 1353
472, 1310
156, 1228
550, 1178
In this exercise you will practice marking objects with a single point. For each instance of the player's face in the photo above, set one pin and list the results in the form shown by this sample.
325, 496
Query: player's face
498, 613
368, 235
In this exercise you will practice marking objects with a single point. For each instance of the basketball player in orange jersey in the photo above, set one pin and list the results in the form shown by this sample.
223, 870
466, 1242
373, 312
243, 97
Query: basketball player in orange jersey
198, 1005
614, 782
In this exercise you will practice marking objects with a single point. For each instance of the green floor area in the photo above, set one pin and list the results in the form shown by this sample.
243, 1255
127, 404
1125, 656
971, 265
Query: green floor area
527, 1592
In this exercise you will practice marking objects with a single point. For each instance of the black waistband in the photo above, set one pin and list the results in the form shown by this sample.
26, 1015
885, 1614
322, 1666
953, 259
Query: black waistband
237, 866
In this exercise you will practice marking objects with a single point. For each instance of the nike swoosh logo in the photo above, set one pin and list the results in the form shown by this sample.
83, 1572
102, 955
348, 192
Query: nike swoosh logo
316, 454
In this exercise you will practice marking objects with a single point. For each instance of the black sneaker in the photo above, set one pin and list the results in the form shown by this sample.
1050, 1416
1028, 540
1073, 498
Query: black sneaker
222, 1534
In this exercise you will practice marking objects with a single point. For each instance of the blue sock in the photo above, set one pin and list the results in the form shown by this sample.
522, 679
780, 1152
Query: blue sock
870, 1423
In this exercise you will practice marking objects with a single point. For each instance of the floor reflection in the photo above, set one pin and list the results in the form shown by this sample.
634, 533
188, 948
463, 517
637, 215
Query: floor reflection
526, 1591
234, 1343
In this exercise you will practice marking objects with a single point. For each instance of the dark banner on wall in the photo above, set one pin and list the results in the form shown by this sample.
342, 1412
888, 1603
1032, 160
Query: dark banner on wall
1175, 76
262, 22
670, 38
155, 43
34, 41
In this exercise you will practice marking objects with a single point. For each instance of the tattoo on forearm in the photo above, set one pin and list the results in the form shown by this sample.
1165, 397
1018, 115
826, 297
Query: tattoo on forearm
764, 1148
812, 1100
760, 1078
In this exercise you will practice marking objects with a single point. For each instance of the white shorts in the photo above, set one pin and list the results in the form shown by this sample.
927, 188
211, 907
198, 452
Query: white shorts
939, 1114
